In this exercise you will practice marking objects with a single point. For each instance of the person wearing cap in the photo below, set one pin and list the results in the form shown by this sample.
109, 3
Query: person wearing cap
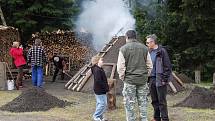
37, 58
59, 64
159, 77
134, 66
17, 53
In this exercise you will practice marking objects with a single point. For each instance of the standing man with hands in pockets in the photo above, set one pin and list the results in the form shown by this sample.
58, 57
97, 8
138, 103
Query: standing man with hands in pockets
159, 78
134, 66
37, 57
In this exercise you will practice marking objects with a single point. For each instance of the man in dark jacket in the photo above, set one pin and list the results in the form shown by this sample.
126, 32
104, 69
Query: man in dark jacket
159, 77
59, 64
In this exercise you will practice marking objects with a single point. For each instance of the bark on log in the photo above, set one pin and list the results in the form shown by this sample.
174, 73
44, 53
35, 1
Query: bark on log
111, 95
2, 17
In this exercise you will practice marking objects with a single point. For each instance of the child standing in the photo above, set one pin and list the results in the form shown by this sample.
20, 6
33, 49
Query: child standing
100, 88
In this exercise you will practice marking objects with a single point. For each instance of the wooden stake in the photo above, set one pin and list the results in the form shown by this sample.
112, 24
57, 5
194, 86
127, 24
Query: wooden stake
2, 17
47, 68
214, 79
197, 76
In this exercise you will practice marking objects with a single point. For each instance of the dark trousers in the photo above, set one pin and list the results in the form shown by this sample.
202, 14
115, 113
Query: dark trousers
56, 72
19, 77
159, 102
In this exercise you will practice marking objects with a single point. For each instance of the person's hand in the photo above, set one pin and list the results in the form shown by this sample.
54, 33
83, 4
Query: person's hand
29, 64
163, 83
20, 46
63, 71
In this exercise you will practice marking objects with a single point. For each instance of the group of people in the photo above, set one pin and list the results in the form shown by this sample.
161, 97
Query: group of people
36, 58
142, 69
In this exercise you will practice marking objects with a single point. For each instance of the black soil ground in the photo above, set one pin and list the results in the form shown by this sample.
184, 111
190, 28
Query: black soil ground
199, 98
34, 99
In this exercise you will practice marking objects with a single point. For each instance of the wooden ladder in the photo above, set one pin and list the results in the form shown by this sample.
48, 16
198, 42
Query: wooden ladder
81, 77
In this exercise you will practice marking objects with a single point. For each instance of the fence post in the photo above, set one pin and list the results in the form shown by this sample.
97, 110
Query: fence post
3, 76
214, 79
197, 76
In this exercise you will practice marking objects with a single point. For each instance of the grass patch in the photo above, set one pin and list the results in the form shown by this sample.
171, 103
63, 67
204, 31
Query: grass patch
205, 84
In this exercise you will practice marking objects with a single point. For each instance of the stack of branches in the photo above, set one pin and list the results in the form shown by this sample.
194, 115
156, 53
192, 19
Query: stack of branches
7, 36
66, 43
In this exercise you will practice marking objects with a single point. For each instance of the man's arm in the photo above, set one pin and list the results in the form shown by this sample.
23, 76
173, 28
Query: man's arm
121, 66
167, 66
149, 63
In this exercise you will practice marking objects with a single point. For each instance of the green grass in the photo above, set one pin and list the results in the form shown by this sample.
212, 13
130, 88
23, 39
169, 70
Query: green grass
205, 84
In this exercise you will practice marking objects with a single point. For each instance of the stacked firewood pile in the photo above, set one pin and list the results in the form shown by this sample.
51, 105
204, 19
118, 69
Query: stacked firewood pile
7, 36
66, 43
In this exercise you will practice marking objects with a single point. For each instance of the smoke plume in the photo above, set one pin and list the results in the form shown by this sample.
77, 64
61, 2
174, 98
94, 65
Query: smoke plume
104, 19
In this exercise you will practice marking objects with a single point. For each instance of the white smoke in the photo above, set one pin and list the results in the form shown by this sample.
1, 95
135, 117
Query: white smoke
103, 19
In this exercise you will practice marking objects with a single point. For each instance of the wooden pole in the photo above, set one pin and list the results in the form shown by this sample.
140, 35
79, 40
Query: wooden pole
3, 76
214, 79
111, 95
197, 76
2, 17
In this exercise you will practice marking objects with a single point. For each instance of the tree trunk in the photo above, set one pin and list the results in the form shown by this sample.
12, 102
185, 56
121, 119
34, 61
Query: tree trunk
2, 17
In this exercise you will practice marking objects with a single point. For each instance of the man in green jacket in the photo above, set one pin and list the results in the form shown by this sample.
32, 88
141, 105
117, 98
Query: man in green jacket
134, 66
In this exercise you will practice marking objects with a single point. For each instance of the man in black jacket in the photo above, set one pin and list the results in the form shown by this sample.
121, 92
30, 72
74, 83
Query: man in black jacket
159, 77
59, 64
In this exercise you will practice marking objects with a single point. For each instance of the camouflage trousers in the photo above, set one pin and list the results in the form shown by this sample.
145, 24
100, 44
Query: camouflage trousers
133, 94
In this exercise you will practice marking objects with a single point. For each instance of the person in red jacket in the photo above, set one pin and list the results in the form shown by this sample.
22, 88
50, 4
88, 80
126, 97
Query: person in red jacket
17, 53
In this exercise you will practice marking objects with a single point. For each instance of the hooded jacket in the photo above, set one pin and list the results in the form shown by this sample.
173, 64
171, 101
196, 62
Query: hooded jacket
163, 67
100, 80
17, 54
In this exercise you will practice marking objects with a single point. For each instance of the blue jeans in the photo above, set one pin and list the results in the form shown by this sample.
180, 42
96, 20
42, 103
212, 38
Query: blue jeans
37, 76
101, 105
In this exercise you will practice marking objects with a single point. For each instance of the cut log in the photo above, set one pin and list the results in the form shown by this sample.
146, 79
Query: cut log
111, 95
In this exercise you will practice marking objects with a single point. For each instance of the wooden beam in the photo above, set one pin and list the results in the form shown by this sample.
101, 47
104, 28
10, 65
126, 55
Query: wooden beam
177, 79
172, 87
2, 17
214, 79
